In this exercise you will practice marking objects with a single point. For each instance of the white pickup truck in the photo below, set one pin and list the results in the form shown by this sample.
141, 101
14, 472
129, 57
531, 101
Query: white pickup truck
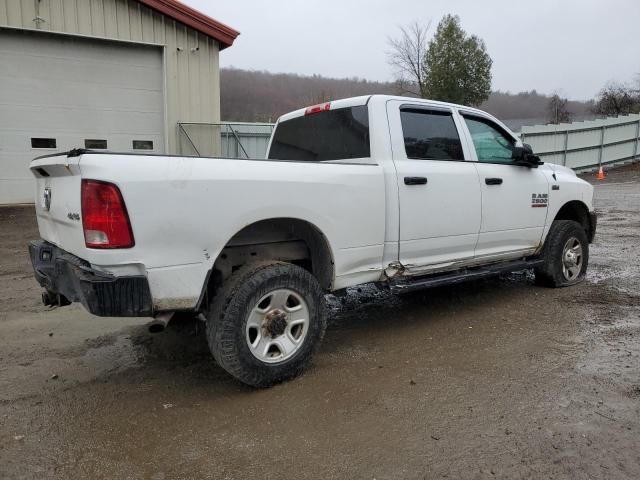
405, 192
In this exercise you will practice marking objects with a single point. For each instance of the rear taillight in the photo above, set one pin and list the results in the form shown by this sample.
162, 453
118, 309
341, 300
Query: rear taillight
322, 107
104, 216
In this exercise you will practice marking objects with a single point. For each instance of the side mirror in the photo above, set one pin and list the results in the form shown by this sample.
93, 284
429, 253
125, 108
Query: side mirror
524, 156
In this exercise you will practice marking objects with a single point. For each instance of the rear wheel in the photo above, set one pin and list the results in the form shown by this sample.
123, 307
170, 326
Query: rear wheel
266, 322
566, 255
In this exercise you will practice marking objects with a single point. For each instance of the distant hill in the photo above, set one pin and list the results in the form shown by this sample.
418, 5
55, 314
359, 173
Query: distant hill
256, 96
253, 96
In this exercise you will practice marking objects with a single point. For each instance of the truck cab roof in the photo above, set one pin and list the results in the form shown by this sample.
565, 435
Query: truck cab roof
375, 98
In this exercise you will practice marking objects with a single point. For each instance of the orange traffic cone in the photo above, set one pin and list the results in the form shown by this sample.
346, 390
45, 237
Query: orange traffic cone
600, 175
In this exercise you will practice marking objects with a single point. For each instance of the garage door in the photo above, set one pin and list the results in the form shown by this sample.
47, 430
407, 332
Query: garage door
60, 92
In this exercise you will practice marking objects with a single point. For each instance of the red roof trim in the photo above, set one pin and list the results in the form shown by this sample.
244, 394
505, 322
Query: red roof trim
194, 19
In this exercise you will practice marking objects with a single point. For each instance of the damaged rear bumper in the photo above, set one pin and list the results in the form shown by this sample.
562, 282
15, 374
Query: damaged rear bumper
68, 278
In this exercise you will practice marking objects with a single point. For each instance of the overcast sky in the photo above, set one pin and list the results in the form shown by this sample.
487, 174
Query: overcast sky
574, 46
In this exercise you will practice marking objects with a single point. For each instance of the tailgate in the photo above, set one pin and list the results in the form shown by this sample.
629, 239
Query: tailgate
57, 201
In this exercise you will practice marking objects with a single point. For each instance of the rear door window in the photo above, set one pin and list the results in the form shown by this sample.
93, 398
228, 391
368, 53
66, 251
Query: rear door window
326, 135
430, 135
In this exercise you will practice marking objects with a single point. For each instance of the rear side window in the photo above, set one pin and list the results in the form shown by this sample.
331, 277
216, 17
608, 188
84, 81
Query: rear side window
430, 135
327, 135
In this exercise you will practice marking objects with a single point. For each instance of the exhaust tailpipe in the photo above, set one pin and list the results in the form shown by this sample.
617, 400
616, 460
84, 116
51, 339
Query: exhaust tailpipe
159, 322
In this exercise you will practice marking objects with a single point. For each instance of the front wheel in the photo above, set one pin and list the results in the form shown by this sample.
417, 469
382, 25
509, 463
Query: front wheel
565, 254
266, 322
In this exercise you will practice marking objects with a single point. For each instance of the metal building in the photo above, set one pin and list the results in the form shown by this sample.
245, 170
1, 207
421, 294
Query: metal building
102, 74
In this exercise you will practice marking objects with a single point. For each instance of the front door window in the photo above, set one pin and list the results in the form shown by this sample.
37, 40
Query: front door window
491, 144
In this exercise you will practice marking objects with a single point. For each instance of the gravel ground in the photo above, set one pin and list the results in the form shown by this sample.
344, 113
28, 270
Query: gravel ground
492, 379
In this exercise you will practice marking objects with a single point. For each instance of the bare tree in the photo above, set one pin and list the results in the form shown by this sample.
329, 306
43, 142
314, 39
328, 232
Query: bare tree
406, 55
617, 99
557, 110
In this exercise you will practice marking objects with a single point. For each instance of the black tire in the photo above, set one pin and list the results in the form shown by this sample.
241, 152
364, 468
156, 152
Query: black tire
550, 273
230, 310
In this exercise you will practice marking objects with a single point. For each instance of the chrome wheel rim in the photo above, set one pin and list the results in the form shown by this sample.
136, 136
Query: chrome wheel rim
277, 326
572, 258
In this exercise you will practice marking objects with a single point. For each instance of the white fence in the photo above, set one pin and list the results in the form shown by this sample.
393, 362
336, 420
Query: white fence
586, 145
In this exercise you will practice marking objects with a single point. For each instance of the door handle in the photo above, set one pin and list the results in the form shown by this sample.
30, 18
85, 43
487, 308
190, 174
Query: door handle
493, 181
415, 180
